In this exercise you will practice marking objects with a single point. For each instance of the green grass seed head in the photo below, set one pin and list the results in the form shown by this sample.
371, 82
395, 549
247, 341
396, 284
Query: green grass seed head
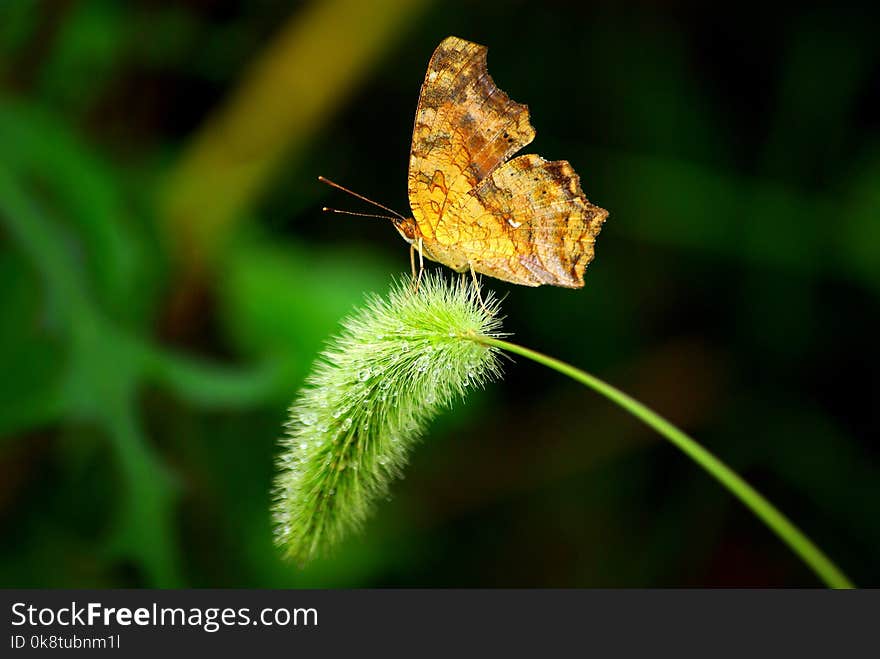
396, 364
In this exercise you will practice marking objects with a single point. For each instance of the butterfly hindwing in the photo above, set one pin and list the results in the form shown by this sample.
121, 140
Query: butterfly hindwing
543, 213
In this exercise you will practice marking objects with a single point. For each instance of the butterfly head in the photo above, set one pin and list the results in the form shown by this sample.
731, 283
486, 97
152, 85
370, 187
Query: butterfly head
406, 227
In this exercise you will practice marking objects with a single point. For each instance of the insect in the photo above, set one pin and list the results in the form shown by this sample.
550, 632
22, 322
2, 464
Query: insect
524, 220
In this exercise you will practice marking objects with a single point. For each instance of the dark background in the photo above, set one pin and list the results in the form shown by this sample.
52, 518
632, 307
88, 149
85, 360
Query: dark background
167, 277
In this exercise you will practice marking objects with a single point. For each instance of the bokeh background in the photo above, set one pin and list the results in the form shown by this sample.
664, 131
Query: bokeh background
167, 277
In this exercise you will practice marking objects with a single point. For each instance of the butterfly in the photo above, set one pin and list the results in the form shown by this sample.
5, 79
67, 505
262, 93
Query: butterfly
523, 220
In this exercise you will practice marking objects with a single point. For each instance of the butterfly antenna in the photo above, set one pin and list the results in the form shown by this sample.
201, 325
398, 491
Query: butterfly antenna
363, 198
336, 210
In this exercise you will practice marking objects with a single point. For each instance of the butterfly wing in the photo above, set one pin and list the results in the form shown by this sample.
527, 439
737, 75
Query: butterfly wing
525, 221
464, 128
532, 224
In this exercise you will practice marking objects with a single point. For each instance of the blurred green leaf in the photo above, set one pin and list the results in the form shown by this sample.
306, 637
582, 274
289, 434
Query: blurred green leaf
88, 50
739, 219
279, 303
80, 191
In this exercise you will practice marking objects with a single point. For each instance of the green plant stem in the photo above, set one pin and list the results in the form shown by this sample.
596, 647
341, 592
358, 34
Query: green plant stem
823, 567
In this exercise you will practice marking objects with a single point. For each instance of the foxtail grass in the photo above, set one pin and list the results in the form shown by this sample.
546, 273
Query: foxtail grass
398, 362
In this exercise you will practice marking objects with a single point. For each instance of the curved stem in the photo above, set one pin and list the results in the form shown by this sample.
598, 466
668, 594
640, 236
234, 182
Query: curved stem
823, 567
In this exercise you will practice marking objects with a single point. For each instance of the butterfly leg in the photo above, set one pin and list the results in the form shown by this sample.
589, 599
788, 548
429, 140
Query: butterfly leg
421, 265
412, 262
477, 289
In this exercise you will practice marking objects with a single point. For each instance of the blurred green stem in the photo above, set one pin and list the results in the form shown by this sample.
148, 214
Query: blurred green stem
282, 101
821, 565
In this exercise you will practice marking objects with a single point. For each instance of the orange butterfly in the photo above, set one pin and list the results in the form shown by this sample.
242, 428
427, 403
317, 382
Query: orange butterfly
524, 220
